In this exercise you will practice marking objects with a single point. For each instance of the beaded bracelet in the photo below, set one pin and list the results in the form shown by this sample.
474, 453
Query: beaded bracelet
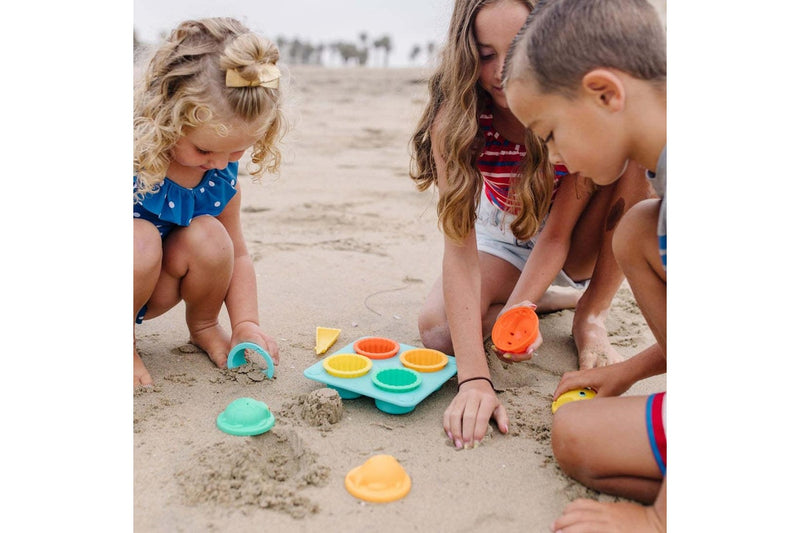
473, 379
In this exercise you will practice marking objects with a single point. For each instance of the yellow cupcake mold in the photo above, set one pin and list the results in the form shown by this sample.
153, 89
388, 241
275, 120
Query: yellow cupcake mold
347, 365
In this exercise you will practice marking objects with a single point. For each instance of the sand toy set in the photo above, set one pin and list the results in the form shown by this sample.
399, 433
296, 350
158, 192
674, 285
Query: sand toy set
397, 376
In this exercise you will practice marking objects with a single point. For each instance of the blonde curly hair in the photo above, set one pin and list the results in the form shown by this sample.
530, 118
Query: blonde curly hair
183, 86
456, 101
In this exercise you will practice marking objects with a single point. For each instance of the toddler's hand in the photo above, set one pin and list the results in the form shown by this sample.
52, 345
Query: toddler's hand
251, 332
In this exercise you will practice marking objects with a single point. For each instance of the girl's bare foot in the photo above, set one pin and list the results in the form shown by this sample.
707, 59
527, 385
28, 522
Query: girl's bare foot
621, 517
140, 374
558, 298
214, 341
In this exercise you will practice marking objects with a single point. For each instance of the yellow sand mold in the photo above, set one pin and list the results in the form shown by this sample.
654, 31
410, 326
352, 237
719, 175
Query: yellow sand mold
380, 479
571, 396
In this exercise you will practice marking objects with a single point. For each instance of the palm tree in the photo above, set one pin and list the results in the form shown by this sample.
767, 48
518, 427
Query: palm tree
415, 51
384, 42
363, 54
431, 49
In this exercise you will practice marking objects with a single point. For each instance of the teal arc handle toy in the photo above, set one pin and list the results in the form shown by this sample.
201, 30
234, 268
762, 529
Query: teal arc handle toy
236, 357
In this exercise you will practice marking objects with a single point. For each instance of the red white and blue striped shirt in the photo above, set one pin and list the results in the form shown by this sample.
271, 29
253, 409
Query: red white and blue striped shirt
499, 163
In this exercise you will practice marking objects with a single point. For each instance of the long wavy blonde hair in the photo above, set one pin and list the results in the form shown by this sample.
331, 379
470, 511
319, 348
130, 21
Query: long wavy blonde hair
456, 101
183, 86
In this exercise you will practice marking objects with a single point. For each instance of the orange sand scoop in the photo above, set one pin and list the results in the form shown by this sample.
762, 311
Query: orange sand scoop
376, 347
380, 479
515, 330
325, 339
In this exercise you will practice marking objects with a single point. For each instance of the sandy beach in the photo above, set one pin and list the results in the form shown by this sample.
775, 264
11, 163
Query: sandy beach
342, 239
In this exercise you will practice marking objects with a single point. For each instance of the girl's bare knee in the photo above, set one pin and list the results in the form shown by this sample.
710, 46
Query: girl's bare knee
434, 334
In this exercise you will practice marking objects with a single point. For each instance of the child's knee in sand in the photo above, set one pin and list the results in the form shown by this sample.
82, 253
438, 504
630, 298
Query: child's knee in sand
436, 337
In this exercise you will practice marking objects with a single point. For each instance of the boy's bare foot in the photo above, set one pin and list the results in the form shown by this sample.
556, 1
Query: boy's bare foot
597, 353
214, 341
591, 340
140, 374
621, 517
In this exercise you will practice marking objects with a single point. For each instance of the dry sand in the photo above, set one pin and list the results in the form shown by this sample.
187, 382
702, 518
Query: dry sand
342, 239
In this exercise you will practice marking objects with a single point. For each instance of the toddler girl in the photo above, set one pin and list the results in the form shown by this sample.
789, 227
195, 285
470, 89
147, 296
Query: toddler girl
209, 93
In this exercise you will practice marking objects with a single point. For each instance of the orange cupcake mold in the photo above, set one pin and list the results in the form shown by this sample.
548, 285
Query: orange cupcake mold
423, 359
376, 347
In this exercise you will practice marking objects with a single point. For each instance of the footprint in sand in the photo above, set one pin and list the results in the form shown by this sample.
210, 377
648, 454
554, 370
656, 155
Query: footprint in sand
529, 413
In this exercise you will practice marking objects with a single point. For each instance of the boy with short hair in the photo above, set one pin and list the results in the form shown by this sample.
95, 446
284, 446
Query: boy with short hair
589, 77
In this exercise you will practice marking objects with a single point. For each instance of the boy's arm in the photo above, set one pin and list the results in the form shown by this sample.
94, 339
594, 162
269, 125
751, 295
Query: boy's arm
615, 379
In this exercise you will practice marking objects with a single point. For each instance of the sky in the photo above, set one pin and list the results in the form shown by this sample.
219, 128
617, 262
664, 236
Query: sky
407, 22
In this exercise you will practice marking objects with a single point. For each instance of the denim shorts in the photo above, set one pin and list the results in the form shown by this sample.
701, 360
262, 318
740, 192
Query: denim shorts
494, 236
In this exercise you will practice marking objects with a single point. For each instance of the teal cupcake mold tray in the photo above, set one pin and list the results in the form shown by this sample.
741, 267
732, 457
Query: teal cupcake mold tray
395, 387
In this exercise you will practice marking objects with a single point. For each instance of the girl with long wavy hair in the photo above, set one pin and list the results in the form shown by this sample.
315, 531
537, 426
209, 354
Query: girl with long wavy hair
514, 223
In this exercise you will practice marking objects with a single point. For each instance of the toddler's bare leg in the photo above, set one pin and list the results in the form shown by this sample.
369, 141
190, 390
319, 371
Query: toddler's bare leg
198, 265
140, 374
147, 254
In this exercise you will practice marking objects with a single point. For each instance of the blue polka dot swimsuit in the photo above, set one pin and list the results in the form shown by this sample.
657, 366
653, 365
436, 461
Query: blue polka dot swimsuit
172, 205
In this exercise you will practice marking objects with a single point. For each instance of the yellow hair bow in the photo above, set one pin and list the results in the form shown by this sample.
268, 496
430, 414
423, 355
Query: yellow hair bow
268, 77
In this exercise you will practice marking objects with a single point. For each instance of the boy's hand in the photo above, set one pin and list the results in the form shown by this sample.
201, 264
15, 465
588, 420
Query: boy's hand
251, 332
605, 381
